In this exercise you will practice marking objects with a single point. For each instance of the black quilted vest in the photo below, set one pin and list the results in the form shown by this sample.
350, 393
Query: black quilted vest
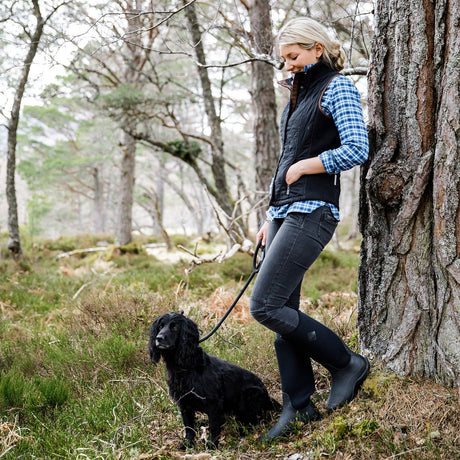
306, 131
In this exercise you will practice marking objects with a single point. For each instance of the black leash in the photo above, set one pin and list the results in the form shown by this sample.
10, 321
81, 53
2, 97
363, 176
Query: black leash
255, 269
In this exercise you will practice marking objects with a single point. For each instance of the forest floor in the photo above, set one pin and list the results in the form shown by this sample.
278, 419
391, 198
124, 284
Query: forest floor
76, 381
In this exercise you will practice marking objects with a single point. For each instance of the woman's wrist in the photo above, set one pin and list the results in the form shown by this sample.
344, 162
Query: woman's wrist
312, 166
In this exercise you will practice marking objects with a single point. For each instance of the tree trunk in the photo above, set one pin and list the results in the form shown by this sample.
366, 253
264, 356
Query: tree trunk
222, 195
266, 133
134, 64
128, 162
159, 180
409, 277
159, 219
14, 240
99, 208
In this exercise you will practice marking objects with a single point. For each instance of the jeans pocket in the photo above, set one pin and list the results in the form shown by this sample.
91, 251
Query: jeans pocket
328, 216
327, 225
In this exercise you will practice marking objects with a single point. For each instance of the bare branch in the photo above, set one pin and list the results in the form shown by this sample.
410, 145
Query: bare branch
219, 258
260, 57
355, 71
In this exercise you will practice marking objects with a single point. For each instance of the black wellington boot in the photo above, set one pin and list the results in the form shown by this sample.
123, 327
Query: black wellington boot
346, 382
297, 384
348, 369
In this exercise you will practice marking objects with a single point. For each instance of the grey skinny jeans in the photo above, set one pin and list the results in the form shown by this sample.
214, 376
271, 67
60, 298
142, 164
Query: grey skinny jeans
293, 244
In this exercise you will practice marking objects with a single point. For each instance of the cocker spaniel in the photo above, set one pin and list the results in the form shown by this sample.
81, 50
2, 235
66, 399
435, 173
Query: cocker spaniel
199, 382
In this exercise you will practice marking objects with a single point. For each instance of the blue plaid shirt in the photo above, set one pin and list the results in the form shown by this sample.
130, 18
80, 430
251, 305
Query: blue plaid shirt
342, 101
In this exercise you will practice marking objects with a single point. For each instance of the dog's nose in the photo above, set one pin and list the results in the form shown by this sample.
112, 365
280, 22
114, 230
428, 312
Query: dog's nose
160, 337
160, 340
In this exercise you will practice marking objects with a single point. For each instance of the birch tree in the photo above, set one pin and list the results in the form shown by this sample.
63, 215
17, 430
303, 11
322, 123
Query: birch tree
33, 36
266, 133
18, 13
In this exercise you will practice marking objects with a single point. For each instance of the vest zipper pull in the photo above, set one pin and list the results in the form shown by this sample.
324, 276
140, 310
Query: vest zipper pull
288, 189
335, 179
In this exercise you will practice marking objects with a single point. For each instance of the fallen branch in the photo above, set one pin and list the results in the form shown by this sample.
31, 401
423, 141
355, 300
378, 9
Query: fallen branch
79, 251
104, 248
247, 247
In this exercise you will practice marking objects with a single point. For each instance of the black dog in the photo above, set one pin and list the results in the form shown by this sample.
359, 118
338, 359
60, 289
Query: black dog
199, 382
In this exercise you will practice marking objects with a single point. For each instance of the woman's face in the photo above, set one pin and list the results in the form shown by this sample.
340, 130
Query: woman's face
296, 58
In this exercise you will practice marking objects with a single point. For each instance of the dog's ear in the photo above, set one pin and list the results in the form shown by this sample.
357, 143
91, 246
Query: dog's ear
187, 346
155, 354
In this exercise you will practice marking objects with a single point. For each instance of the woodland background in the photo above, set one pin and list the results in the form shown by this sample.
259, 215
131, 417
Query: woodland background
100, 68
138, 140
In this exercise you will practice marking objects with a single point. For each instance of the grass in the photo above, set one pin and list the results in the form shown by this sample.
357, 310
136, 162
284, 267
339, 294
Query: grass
76, 381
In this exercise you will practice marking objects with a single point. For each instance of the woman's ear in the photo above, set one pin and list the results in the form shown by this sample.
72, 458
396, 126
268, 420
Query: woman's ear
319, 48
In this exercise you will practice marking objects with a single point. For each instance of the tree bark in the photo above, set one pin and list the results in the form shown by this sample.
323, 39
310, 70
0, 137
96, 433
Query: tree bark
128, 164
409, 277
14, 239
99, 208
159, 181
134, 63
266, 133
231, 223
218, 157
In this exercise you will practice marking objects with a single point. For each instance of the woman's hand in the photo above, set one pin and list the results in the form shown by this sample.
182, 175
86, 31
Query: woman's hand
262, 233
302, 167
295, 172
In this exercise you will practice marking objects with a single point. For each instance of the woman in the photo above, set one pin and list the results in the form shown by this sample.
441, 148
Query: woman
323, 133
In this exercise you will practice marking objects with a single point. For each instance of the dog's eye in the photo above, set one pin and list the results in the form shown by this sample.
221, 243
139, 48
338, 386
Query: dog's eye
173, 326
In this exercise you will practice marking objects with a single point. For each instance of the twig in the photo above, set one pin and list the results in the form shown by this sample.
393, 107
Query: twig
83, 286
228, 341
140, 379
7, 450
405, 452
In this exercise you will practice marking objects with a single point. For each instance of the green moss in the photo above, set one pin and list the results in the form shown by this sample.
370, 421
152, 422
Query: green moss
339, 427
364, 428
353, 341
131, 248
376, 384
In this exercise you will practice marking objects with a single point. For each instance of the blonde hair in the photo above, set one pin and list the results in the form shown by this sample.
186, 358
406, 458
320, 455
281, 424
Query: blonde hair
305, 32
